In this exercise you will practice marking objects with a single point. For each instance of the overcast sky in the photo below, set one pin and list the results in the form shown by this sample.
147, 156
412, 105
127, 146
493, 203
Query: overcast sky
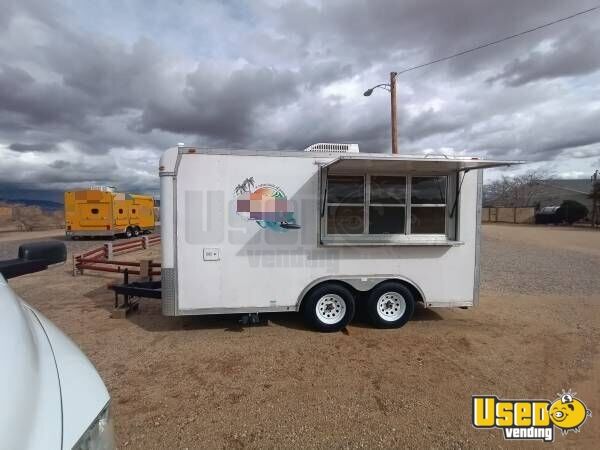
93, 92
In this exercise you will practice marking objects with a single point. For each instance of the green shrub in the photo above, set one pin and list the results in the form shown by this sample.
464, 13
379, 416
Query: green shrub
571, 211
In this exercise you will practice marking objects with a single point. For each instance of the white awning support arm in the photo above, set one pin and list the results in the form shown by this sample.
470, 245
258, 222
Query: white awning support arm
457, 196
324, 196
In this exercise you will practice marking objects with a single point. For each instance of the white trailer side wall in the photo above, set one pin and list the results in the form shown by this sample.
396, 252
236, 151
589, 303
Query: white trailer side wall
262, 269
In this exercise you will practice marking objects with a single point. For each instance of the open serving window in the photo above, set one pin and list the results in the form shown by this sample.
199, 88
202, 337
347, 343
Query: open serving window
393, 200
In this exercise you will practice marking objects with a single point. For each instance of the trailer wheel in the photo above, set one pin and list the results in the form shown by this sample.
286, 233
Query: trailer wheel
136, 231
329, 307
390, 305
128, 232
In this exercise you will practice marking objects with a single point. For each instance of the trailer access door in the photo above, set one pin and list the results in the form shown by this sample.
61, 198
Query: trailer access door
93, 214
121, 212
134, 214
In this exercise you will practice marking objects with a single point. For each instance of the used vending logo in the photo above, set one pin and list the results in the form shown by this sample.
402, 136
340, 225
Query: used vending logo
267, 205
530, 419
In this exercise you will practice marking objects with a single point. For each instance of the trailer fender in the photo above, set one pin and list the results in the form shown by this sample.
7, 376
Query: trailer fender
362, 283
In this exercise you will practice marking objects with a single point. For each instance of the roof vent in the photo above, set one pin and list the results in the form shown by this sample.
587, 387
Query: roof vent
332, 148
102, 188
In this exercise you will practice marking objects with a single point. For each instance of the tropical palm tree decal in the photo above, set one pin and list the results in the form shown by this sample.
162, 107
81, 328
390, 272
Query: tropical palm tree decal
246, 186
267, 205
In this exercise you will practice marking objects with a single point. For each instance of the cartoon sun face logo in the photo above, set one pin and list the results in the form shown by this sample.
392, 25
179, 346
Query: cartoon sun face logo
567, 412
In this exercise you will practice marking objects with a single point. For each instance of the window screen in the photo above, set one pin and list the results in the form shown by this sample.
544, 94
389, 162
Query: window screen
388, 190
428, 205
345, 219
345, 205
387, 205
345, 190
386, 220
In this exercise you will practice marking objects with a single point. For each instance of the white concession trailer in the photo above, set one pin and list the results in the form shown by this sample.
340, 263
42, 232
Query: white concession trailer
323, 231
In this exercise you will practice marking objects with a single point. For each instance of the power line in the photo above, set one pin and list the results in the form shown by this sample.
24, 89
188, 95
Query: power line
479, 47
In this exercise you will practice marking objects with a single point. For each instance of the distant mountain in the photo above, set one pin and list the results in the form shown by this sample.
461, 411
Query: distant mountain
44, 205
13, 193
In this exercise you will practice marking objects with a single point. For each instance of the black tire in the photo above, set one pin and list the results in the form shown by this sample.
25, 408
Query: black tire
129, 232
398, 308
334, 296
137, 231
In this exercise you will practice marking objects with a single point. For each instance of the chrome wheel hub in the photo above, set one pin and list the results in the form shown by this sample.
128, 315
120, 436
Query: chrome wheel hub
391, 306
331, 309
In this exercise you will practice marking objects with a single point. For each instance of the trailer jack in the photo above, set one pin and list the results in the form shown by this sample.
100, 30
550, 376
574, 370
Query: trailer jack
253, 319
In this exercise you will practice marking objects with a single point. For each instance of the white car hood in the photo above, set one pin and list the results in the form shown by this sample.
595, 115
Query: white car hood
49, 391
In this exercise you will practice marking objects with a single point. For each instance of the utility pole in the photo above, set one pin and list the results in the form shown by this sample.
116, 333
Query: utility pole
394, 116
594, 195
391, 88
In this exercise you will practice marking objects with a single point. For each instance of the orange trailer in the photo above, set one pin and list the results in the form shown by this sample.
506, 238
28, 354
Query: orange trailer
102, 212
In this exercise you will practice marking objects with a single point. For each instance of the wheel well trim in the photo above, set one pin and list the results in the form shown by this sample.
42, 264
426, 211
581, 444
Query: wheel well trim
361, 283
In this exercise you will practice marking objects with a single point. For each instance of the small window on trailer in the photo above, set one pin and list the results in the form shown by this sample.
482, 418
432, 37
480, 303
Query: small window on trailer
345, 205
387, 204
428, 205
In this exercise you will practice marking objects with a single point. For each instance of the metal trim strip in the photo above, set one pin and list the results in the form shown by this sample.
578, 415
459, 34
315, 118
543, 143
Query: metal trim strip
169, 299
244, 310
477, 274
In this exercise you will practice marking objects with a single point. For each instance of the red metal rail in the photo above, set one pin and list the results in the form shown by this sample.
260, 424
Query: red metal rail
100, 259
117, 269
93, 252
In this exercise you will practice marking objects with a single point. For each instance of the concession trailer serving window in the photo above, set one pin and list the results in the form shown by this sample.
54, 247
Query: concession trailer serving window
390, 200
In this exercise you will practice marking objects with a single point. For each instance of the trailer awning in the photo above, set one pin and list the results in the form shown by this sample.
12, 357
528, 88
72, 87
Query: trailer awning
404, 164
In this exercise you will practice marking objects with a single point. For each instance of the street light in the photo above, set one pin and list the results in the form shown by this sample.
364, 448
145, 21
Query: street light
391, 88
368, 92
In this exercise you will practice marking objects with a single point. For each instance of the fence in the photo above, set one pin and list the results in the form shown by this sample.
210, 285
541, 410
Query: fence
101, 258
6, 212
509, 215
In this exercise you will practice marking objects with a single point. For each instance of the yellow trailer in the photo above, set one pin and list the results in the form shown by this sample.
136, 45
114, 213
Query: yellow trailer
102, 212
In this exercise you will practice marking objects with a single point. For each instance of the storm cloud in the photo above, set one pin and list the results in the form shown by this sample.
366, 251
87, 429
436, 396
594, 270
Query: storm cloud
572, 54
93, 93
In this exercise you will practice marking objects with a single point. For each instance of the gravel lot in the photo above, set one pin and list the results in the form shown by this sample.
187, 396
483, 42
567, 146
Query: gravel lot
208, 383
548, 261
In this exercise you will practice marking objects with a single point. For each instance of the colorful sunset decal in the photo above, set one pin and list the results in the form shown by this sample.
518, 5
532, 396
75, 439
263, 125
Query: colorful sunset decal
267, 205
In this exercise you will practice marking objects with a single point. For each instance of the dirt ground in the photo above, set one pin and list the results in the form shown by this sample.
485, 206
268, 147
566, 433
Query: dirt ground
209, 383
9, 236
